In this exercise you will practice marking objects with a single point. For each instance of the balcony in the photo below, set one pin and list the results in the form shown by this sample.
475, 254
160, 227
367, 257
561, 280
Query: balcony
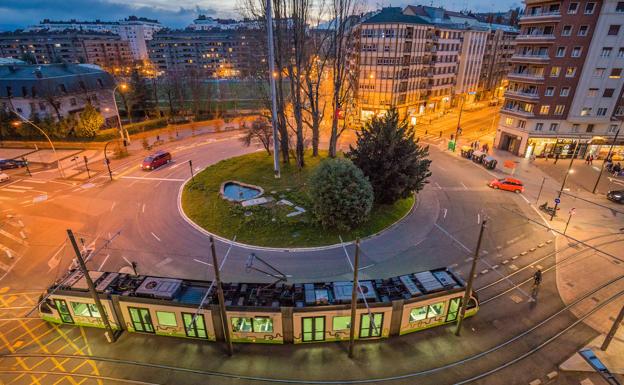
522, 95
525, 77
542, 38
529, 58
517, 112
540, 17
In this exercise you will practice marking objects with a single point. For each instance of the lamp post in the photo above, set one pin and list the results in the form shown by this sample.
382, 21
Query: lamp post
565, 178
269, 17
461, 109
122, 87
23, 119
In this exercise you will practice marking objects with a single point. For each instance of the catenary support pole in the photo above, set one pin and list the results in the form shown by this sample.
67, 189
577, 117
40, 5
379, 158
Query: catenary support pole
269, 17
473, 268
354, 297
605, 161
614, 329
539, 194
110, 334
224, 322
565, 178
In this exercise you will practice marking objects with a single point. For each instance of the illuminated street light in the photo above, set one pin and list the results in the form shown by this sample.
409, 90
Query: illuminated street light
123, 87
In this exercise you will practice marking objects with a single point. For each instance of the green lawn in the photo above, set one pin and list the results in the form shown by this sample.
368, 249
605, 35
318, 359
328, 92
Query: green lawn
268, 225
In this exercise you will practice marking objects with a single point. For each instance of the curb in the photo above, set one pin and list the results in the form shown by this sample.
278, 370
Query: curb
281, 249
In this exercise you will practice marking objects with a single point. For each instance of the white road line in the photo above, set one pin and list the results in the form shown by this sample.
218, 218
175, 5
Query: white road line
525, 199
445, 211
143, 208
437, 185
22, 187
478, 218
155, 236
11, 236
164, 262
113, 206
34, 181
453, 238
53, 261
160, 179
15, 191
26, 201
200, 261
367, 266
126, 259
6, 198
462, 183
103, 262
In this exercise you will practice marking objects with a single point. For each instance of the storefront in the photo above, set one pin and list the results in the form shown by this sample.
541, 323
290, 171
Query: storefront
596, 146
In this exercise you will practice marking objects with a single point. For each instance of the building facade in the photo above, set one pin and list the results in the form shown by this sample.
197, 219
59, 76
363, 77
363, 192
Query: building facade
53, 90
418, 59
565, 87
103, 49
496, 61
135, 30
216, 53
206, 23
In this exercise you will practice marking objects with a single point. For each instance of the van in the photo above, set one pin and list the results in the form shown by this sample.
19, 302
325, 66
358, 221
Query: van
156, 160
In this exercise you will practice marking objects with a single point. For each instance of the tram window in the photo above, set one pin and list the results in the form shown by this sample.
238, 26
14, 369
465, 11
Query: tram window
263, 325
341, 323
418, 314
240, 324
435, 310
85, 309
166, 318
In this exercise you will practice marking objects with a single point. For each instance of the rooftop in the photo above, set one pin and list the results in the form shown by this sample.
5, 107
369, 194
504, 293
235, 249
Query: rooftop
299, 295
393, 15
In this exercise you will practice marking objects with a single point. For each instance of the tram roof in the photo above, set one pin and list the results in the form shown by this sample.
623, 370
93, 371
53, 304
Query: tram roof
298, 295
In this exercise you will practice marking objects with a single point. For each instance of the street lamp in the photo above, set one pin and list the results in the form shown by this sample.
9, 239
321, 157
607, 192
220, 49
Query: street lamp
23, 119
565, 178
122, 87
461, 109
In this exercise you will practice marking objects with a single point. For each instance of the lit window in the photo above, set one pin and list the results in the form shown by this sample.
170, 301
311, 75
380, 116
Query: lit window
435, 310
241, 324
263, 325
554, 72
166, 318
508, 121
616, 73
341, 323
559, 109
544, 110
85, 309
586, 111
570, 72
417, 314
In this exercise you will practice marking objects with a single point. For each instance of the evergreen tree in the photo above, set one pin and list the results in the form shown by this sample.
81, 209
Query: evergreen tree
387, 153
89, 123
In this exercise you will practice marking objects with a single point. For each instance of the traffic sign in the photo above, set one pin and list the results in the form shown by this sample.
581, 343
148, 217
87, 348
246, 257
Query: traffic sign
557, 200
572, 211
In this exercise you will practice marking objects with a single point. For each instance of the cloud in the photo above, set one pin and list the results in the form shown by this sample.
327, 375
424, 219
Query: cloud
21, 13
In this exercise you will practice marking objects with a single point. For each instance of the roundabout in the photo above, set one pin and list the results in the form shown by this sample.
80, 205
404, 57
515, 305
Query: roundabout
267, 213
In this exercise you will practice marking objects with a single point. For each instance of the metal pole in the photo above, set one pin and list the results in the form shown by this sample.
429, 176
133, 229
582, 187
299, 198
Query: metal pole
613, 330
27, 168
540, 190
461, 109
567, 223
608, 156
224, 322
58, 160
191, 166
354, 296
462, 309
110, 334
125, 140
565, 178
87, 166
269, 17
107, 161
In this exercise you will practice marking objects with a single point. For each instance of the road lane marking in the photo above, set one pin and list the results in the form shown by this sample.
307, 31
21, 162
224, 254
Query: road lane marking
103, 262
462, 183
156, 236
445, 211
53, 261
150, 178
478, 218
34, 181
143, 208
22, 187
437, 185
113, 206
202, 262
164, 262
13, 237
15, 191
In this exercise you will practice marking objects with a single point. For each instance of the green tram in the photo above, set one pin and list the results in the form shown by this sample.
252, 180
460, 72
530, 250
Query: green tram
260, 313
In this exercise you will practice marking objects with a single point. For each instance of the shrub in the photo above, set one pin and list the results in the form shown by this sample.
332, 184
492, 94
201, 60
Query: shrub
391, 159
342, 197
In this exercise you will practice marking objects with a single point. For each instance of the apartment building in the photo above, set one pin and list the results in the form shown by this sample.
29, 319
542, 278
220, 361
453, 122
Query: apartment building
418, 59
53, 90
496, 61
207, 23
135, 30
216, 53
565, 87
103, 49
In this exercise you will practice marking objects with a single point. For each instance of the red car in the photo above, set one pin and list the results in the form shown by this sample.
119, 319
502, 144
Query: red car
509, 184
156, 160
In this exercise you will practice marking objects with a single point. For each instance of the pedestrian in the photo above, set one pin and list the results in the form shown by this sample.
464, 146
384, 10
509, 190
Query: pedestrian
547, 156
440, 134
537, 277
556, 157
591, 159
587, 158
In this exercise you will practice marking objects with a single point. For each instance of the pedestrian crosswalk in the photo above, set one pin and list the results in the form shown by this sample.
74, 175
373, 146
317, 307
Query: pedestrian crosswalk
13, 240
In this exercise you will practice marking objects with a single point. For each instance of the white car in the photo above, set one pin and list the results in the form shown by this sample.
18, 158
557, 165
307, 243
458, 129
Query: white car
4, 177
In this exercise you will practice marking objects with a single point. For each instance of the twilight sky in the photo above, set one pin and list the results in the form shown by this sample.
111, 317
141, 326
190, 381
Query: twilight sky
179, 13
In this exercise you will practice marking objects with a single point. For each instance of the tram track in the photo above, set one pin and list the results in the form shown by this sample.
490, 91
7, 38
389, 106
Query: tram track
422, 373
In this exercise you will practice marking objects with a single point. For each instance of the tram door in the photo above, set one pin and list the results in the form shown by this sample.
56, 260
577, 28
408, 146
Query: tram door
195, 329
141, 320
313, 328
453, 309
371, 329
63, 310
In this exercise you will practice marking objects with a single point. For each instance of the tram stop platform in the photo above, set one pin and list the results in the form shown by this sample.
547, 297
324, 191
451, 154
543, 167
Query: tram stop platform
612, 358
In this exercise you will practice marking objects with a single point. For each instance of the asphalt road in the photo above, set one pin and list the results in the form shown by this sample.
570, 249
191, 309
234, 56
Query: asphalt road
136, 218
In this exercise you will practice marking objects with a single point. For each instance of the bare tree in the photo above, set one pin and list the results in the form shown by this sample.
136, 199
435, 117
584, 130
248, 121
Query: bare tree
342, 14
260, 130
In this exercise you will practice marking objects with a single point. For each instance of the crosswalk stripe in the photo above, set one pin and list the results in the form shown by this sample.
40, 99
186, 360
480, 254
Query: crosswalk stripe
8, 251
22, 187
15, 191
34, 181
11, 236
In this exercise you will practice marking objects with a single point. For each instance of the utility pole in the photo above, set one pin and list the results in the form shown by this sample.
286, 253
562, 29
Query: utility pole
565, 178
605, 161
572, 212
462, 309
269, 17
86, 162
614, 329
458, 130
110, 334
191, 166
539, 194
224, 322
354, 296
26, 164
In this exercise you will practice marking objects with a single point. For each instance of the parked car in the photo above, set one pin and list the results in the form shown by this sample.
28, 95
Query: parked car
156, 160
616, 196
4, 177
6, 164
507, 184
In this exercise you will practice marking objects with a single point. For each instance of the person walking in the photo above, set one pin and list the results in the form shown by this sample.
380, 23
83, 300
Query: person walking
591, 159
587, 158
537, 277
